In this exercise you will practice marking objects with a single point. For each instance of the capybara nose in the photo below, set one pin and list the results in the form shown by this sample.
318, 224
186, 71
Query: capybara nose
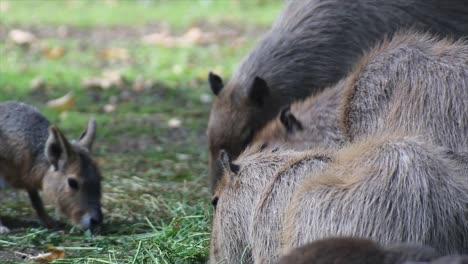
92, 219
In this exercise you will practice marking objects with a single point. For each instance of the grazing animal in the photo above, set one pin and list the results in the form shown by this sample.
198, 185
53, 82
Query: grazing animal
343, 250
312, 123
35, 156
312, 45
412, 83
393, 188
236, 196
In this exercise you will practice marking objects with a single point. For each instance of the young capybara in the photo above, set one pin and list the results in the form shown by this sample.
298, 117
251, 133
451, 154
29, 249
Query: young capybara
413, 83
347, 250
36, 156
312, 45
312, 123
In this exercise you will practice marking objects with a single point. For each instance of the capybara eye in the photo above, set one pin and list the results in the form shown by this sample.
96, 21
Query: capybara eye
73, 184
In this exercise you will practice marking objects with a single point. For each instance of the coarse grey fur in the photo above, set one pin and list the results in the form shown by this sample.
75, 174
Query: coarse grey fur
393, 189
311, 123
413, 83
347, 250
236, 197
386, 188
36, 156
312, 45
269, 212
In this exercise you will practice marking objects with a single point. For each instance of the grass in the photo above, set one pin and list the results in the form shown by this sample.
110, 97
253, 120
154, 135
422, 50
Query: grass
155, 195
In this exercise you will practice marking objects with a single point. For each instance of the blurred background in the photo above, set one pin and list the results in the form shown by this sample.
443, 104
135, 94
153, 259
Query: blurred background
140, 68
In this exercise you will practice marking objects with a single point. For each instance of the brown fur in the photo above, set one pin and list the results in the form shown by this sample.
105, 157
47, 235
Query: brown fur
355, 251
35, 156
317, 121
412, 83
312, 45
381, 189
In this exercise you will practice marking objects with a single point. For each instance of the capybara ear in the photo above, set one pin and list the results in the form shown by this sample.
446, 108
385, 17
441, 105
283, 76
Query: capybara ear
88, 135
289, 121
226, 162
216, 83
58, 150
258, 91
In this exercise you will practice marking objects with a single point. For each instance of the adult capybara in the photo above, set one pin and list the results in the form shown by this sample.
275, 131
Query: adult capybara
413, 83
347, 250
312, 45
36, 156
389, 188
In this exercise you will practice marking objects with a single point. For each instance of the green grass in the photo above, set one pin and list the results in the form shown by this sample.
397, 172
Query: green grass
174, 13
155, 196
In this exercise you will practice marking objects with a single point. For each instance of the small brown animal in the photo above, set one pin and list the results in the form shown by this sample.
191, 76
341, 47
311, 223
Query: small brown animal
343, 250
36, 156
312, 45
312, 123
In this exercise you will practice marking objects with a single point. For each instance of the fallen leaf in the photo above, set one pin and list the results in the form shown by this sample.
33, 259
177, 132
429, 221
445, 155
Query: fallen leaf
174, 123
114, 54
50, 256
63, 103
53, 52
162, 39
105, 81
193, 36
109, 108
21, 37
38, 83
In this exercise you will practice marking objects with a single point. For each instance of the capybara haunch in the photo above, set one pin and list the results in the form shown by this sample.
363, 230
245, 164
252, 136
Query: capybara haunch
346, 250
413, 83
312, 123
387, 188
313, 44
36, 156
237, 194
392, 189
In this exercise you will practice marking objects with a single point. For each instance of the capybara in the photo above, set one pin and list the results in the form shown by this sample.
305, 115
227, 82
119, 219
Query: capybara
312, 45
413, 83
36, 156
347, 250
394, 188
311, 123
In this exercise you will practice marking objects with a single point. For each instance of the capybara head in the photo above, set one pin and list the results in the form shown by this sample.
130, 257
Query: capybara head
73, 182
235, 118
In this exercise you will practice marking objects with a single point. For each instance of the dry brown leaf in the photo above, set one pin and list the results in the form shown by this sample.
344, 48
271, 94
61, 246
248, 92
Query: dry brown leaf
105, 81
53, 52
162, 39
21, 37
63, 103
193, 36
114, 54
50, 256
